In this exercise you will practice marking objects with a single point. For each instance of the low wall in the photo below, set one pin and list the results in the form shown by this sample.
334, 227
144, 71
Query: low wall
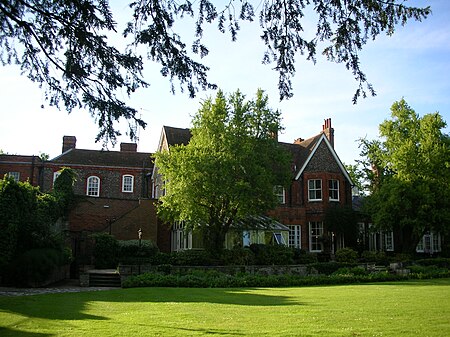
128, 270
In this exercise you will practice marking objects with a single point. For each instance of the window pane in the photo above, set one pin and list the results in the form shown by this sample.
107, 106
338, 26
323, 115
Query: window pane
93, 186
127, 183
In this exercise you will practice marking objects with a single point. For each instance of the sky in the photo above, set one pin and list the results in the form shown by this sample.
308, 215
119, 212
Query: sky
413, 64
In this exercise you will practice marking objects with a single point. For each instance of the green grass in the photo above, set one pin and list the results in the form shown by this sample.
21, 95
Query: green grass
413, 308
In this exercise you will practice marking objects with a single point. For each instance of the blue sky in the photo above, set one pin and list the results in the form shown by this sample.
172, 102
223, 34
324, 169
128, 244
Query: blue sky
414, 64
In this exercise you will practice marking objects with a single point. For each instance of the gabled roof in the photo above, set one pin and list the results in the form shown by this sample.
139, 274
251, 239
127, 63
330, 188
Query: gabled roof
104, 158
301, 152
177, 136
310, 147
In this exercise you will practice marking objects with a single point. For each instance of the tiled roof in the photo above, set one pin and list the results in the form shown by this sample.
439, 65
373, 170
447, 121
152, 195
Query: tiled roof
104, 158
300, 152
13, 158
177, 136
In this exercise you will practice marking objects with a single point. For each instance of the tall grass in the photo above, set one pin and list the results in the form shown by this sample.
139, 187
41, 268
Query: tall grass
413, 308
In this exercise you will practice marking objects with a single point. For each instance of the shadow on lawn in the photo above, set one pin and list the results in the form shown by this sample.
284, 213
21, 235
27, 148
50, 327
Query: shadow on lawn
6, 332
73, 306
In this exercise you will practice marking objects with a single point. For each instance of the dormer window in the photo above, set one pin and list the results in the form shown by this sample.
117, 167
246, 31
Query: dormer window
127, 183
93, 186
314, 189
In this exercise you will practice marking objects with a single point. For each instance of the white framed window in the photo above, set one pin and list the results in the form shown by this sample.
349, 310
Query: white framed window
315, 236
279, 192
93, 186
333, 189
15, 176
314, 189
429, 243
388, 242
295, 236
127, 183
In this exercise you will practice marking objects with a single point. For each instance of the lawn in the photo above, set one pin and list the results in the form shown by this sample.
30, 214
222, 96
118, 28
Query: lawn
414, 308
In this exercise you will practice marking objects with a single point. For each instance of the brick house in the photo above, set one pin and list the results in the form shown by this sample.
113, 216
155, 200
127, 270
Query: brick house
113, 194
319, 180
22, 168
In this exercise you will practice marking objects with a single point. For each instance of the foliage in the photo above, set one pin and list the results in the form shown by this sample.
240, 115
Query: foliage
379, 258
106, 251
194, 258
272, 254
238, 256
64, 46
409, 176
346, 255
27, 220
342, 220
35, 265
302, 256
228, 170
214, 279
328, 268
134, 248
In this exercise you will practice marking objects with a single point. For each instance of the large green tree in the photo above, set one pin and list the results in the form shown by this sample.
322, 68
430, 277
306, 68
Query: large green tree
226, 174
65, 46
409, 171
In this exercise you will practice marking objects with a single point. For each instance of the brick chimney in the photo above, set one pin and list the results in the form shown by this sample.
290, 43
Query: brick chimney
69, 142
328, 131
128, 147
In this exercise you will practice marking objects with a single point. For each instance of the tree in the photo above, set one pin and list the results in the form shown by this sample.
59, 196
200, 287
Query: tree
227, 172
28, 216
410, 178
63, 45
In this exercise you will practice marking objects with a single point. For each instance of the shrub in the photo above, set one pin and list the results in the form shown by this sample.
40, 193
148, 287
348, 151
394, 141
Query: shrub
347, 255
194, 258
132, 248
35, 266
353, 271
328, 268
301, 256
272, 254
379, 258
105, 251
237, 256
439, 262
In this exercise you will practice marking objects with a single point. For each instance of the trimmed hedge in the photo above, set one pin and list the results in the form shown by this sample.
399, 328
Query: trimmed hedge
213, 279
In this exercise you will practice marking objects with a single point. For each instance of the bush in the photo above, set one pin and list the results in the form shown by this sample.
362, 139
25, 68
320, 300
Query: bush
301, 256
132, 248
106, 251
347, 255
194, 258
353, 271
35, 266
328, 268
439, 262
379, 258
237, 256
272, 254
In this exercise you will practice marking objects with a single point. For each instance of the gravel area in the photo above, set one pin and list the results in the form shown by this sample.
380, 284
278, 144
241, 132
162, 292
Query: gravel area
68, 286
